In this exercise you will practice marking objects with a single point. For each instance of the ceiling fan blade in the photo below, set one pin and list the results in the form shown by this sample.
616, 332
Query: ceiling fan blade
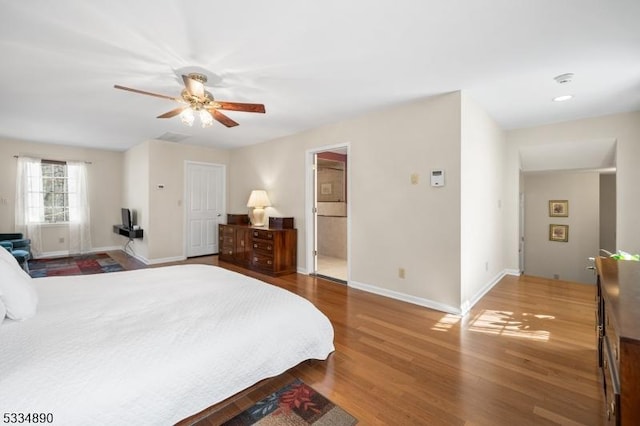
117, 86
194, 87
239, 106
173, 112
222, 118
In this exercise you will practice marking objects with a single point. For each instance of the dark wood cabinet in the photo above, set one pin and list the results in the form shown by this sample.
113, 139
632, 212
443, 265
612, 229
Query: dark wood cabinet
270, 251
234, 244
618, 331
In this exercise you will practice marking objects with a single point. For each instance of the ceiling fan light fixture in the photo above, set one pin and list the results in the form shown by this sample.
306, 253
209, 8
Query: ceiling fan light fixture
205, 118
187, 117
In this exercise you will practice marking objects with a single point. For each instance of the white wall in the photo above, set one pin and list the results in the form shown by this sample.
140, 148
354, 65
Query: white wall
105, 176
567, 260
624, 129
482, 175
161, 211
394, 223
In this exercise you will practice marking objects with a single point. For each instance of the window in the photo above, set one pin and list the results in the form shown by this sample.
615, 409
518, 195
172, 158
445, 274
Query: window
55, 192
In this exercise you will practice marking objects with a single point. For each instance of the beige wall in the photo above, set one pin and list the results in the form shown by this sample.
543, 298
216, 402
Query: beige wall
161, 211
105, 176
333, 236
136, 195
624, 129
393, 223
482, 191
562, 260
608, 212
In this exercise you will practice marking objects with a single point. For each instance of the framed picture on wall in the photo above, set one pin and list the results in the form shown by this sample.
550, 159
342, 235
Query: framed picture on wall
559, 233
559, 208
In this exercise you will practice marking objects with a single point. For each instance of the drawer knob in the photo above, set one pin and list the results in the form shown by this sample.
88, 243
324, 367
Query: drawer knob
255, 246
269, 262
269, 248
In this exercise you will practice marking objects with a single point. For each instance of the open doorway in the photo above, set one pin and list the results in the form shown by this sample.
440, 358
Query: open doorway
328, 190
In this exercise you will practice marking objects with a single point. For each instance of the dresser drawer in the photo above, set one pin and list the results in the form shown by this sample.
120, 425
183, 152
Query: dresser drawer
262, 261
614, 340
226, 230
263, 234
611, 386
225, 240
265, 247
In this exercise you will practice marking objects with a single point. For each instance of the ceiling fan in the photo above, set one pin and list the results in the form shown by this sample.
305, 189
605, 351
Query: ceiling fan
196, 100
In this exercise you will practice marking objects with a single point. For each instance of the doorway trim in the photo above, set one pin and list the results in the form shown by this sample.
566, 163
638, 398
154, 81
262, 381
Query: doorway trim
185, 224
309, 202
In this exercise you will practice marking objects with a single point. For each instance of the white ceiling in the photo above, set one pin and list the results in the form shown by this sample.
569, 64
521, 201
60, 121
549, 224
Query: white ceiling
310, 62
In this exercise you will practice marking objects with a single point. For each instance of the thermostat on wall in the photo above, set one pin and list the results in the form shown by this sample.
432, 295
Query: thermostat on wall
437, 177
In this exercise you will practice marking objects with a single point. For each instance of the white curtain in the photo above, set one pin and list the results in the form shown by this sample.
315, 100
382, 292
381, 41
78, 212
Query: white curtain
29, 213
79, 214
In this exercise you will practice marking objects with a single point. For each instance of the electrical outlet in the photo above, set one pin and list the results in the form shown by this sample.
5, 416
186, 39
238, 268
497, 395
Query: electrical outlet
61, 240
401, 273
415, 177
556, 276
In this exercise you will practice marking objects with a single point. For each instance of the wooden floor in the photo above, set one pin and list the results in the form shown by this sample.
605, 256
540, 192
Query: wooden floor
525, 355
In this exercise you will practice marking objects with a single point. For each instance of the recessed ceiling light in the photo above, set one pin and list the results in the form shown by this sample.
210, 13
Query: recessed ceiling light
562, 98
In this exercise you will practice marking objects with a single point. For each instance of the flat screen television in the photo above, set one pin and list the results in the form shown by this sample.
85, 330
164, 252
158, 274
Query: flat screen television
126, 219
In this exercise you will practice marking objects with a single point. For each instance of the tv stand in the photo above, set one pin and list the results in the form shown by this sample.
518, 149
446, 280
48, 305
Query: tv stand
126, 232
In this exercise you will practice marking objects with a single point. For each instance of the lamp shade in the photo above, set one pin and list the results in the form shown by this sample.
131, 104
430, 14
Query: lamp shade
258, 198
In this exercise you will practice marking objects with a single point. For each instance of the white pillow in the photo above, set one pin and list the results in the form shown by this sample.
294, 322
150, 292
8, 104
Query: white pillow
16, 292
8, 257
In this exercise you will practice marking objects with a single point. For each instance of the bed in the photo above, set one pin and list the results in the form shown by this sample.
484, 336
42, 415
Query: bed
150, 346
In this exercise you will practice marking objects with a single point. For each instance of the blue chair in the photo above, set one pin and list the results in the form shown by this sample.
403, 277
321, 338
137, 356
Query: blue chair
18, 241
19, 247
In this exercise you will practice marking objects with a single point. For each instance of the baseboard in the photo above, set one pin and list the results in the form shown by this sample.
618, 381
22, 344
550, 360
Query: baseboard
302, 271
65, 253
405, 297
466, 306
160, 260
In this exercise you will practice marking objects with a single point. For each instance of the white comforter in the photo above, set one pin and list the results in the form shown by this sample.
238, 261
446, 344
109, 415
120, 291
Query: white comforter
152, 346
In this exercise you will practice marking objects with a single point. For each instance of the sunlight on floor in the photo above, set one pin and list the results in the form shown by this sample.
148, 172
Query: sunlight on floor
446, 322
504, 323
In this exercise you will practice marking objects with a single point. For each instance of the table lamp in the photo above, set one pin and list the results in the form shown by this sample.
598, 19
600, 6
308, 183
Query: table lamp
258, 200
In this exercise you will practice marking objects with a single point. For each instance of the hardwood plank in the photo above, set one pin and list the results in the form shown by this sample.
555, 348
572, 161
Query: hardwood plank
525, 355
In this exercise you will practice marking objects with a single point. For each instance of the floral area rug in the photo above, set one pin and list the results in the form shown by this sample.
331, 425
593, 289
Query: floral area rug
95, 263
294, 404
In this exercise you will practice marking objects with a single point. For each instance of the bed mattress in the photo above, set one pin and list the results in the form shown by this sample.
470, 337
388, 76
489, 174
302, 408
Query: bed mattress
152, 346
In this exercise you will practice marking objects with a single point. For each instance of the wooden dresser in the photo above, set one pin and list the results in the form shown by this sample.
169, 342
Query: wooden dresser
270, 251
618, 329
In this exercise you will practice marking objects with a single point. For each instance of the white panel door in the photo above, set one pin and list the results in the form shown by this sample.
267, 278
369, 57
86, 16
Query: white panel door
204, 202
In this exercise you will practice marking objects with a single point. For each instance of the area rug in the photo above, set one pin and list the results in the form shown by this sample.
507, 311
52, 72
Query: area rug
294, 404
95, 263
